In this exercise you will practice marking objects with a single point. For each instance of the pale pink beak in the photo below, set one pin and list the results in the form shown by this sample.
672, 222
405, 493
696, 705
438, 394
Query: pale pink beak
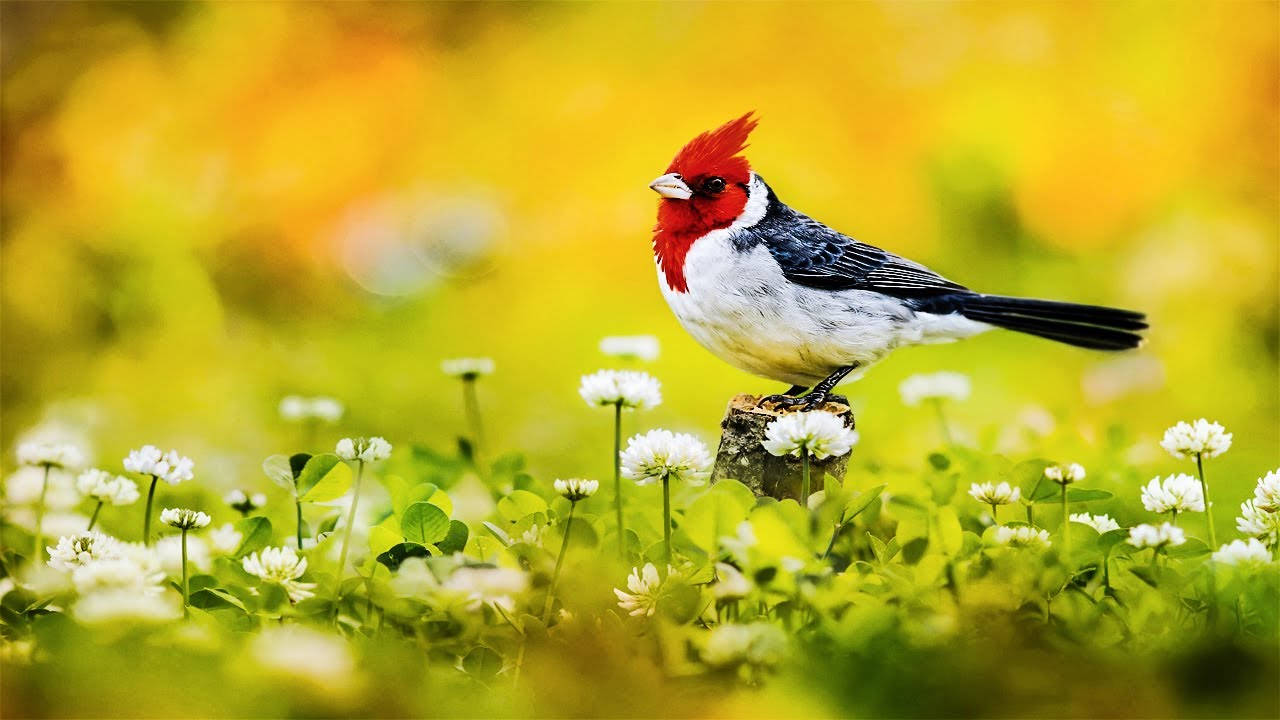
672, 186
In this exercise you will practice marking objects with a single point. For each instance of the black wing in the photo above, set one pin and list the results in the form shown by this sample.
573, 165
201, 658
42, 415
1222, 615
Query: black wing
813, 254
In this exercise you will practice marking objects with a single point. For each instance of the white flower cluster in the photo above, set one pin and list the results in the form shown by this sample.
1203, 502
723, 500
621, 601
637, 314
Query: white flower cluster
363, 449
1200, 438
139, 575
645, 588
1022, 536
992, 494
1156, 536
318, 661
225, 539
1266, 494
82, 548
632, 389
243, 502
296, 408
821, 434
1176, 493
170, 467
282, 566
1101, 523
1258, 523
184, 519
1065, 474
762, 644
49, 455
107, 488
468, 368
934, 386
631, 347
576, 489
662, 454
1243, 553
488, 585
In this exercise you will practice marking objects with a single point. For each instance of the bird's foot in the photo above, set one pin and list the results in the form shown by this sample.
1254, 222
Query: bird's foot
814, 399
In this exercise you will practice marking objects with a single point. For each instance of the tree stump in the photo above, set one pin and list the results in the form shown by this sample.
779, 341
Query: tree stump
742, 457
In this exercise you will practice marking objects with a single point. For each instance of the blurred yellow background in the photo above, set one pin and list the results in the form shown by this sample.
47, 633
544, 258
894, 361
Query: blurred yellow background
209, 206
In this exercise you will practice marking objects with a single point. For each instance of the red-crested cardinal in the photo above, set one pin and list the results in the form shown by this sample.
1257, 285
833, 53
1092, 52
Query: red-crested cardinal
780, 295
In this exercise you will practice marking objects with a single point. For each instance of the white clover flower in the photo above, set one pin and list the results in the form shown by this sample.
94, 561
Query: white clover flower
282, 566
49, 455
760, 643
296, 653
82, 548
363, 449
1065, 474
468, 368
992, 494
645, 586
1266, 496
633, 389
1245, 553
125, 606
170, 467
1176, 493
662, 454
631, 347
1258, 523
492, 585
1022, 536
730, 583
935, 386
1152, 536
1101, 523
107, 488
25, 485
243, 502
818, 433
225, 540
295, 408
118, 573
184, 519
577, 489
1202, 438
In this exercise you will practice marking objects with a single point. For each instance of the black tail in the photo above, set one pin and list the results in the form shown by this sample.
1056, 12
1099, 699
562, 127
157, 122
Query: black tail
1086, 326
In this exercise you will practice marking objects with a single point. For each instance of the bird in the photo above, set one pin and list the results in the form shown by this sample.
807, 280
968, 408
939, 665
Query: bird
782, 296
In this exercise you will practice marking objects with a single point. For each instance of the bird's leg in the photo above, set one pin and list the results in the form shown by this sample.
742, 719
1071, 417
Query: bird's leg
818, 395
786, 399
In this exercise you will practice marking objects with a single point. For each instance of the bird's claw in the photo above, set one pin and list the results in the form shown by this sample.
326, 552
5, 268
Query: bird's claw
803, 403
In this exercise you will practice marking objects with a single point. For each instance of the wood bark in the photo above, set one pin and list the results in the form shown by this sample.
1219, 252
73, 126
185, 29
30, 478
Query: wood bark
741, 455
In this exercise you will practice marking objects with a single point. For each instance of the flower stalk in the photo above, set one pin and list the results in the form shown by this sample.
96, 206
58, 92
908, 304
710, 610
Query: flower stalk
555, 575
297, 503
186, 586
44, 489
351, 519
94, 517
1208, 507
666, 517
146, 519
617, 477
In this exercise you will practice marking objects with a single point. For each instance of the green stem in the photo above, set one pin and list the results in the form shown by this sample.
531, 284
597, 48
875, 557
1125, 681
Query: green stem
1173, 517
804, 478
146, 519
555, 576
617, 477
666, 516
1208, 508
39, 539
472, 403
297, 502
834, 534
94, 517
942, 421
351, 519
1066, 521
1030, 517
186, 591
995, 519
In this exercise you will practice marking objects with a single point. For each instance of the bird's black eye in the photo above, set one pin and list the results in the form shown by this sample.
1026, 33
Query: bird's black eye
713, 185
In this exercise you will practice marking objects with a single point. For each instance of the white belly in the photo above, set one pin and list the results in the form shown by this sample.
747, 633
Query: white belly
740, 307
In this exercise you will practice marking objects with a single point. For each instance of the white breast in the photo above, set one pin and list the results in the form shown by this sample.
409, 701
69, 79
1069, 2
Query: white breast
740, 306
